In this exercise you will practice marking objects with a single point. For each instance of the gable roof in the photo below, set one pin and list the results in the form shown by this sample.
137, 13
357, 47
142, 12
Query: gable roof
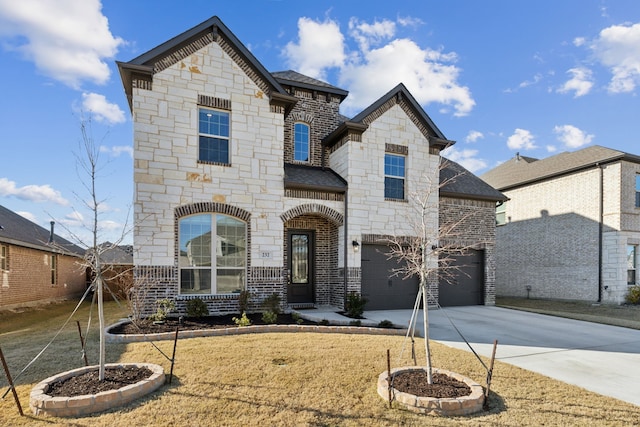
457, 182
293, 78
399, 95
183, 45
521, 170
19, 231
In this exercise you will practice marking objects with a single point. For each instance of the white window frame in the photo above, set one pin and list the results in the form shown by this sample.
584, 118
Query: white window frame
391, 175
219, 136
295, 142
632, 265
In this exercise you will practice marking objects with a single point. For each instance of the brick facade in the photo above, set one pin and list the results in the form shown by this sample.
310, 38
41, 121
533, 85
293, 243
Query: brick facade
28, 278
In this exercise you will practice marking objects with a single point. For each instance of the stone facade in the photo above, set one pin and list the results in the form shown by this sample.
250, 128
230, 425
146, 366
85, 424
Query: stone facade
166, 87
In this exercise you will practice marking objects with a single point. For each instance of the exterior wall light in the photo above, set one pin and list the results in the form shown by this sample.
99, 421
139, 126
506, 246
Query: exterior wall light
356, 246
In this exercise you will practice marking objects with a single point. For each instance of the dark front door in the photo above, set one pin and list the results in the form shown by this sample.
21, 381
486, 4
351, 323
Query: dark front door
301, 244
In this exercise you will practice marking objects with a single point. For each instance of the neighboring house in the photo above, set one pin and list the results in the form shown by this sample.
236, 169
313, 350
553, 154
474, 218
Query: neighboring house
571, 227
117, 268
35, 264
251, 180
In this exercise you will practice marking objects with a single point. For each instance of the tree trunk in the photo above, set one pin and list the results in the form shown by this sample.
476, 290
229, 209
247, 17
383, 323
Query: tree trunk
101, 321
425, 325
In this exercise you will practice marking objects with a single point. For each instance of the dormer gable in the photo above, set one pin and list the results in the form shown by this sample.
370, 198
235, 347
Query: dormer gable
138, 73
399, 95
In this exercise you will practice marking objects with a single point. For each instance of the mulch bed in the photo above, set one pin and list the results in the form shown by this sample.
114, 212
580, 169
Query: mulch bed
89, 382
194, 323
416, 382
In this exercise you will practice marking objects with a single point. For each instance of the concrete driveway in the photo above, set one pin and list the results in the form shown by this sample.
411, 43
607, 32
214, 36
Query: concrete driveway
600, 358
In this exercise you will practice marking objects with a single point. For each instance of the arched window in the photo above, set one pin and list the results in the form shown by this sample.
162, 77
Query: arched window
213, 254
301, 142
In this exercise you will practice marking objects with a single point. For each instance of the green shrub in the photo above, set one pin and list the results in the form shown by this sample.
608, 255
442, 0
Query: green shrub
165, 306
355, 305
355, 323
385, 324
633, 295
197, 308
242, 321
272, 303
269, 317
324, 322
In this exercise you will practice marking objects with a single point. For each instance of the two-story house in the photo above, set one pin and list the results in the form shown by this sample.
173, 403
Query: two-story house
36, 265
571, 227
251, 180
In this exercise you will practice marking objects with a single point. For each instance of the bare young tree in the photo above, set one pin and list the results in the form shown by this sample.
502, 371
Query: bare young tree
430, 251
88, 169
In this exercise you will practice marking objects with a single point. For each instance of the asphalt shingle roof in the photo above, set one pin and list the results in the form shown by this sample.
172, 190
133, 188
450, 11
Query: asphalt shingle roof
18, 230
313, 178
456, 181
525, 170
294, 78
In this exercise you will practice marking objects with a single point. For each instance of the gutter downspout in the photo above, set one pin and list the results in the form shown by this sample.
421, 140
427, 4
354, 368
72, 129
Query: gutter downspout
600, 231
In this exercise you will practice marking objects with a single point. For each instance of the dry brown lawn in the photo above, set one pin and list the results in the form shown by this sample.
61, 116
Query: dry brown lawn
280, 379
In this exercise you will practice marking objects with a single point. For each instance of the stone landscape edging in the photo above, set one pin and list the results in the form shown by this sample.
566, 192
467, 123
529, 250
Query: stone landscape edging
242, 330
74, 406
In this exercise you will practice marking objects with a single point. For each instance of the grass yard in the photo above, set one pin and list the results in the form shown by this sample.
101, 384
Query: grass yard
280, 379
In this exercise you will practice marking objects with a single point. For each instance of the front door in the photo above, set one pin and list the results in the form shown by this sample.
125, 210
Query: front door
301, 244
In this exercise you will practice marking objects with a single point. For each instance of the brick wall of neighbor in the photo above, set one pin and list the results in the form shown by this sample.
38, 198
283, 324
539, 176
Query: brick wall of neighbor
471, 224
28, 279
550, 241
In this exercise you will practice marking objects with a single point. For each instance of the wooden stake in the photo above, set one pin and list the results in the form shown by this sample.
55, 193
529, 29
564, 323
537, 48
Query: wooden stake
389, 377
173, 356
13, 389
485, 405
82, 343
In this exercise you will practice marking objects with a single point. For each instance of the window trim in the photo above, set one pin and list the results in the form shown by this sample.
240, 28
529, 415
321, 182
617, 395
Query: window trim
632, 264
501, 213
53, 266
213, 268
308, 142
226, 138
4, 257
637, 204
403, 178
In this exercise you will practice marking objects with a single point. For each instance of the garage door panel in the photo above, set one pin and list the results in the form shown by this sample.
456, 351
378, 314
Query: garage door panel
382, 289
466, 287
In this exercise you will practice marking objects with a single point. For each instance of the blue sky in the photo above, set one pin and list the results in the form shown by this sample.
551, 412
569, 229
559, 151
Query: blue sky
499, 77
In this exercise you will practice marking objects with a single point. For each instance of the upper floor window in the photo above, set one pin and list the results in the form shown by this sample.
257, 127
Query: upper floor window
301, 142
637, 191
632, 251
501, 213
213, 132
4, 257
394, 176
213, 254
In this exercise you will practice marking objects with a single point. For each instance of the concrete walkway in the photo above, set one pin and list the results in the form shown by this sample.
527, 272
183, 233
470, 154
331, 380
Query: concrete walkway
600, 358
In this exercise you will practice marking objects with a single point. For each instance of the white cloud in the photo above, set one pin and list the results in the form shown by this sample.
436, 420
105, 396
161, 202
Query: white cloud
473, 136
425, 72
320, 46
371, 34
378, 64
579, 41
551, 148
32, 193
101, 109
467, 158
581, 82
618, 47
117, 150
68, 40
572, 137
521, 140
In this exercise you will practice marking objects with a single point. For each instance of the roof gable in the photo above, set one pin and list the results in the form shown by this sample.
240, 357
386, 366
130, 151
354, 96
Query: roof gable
293, 78
457, 182
399, 95
139, 71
